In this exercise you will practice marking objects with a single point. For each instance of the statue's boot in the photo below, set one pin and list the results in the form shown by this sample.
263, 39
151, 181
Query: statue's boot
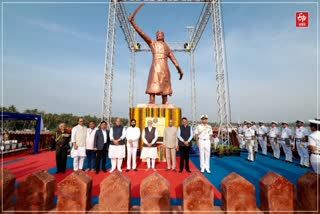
164, 99
152, 99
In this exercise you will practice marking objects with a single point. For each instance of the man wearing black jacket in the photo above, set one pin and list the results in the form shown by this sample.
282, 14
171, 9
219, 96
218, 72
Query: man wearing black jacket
185, 136
101, 145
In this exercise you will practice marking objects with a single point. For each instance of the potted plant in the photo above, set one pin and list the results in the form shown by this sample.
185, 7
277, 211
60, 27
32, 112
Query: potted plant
220, 151
235, 151
214, 152
227, 151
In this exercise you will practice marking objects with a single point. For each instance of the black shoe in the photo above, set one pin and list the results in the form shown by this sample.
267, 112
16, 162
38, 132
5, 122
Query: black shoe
188, 170
135, 169
104, 170
127, 170
180, 170
97, 171
57, 172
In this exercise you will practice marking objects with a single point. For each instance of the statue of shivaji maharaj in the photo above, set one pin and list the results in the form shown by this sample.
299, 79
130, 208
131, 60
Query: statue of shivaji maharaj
159, 82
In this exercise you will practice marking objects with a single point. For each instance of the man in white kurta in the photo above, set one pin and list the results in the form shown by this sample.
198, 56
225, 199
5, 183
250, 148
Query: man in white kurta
117, 149
149, 150
273, 134
170, 141
261, 137
301, 143
132, 136
285, 141
314, 144
203, 137
78, 139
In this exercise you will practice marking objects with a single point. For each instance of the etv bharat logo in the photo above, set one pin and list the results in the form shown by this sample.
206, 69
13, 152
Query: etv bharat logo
302, 19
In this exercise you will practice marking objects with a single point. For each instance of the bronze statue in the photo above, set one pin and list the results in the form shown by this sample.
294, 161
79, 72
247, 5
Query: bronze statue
159, 82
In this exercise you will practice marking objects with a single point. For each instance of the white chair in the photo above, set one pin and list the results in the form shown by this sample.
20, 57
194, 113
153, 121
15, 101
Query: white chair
19, 145
7, 145
14, 145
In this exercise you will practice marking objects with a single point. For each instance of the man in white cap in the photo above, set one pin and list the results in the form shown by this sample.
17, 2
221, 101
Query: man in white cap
301, 139
203, 137
249, 136
314, 144
273, 134
261, 137
149, 150
285, 141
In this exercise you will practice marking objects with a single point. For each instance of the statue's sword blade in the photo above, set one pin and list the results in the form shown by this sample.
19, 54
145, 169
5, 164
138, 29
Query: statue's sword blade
136, 11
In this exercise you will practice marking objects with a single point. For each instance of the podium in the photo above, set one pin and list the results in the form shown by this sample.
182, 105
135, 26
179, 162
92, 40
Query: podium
160, 114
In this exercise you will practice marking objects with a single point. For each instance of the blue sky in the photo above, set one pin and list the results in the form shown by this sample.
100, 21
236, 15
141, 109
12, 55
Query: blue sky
54, 59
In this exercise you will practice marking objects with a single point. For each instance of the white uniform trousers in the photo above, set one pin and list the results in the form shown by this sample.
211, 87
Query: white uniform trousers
131, 154
255, 145
303, 153
263, 144
250, 146
204, 147
315, 162
242, 142
275, 147
287, 150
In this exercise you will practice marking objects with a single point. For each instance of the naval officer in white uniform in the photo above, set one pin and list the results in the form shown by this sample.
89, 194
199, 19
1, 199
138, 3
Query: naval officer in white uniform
301, 143
314, 144
249, 135
204, 137
261, 137
273, 135
285, 141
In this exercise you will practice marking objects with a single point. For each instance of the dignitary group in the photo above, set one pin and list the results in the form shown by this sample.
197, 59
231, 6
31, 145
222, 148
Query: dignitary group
96, 144
307, 144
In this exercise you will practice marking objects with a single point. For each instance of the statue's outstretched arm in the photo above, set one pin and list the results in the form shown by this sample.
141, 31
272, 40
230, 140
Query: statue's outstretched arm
175, 62
144, 36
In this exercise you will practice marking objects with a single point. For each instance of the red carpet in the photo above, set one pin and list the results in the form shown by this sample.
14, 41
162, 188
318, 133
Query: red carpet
23, 165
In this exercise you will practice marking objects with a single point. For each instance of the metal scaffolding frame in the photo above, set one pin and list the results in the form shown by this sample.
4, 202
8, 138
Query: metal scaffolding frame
212, 9
109, 61
224, 112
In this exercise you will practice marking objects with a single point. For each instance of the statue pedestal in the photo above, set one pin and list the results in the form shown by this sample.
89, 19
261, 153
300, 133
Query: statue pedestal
160, 114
